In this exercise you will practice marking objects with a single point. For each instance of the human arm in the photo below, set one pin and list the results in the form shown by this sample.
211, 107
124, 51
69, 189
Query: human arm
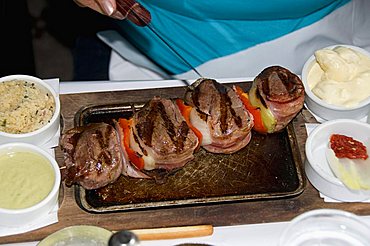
119, 9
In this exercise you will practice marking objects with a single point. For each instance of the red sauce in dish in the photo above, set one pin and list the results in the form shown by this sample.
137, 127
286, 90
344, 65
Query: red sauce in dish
347, 147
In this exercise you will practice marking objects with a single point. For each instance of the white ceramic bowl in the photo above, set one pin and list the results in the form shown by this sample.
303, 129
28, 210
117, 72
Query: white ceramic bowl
23, 216
328, 111
316, 166
45, 133
82, 235
326, 227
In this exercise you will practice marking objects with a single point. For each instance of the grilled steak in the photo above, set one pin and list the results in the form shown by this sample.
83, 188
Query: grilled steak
160, 135
92, 156
281, 91
219, 115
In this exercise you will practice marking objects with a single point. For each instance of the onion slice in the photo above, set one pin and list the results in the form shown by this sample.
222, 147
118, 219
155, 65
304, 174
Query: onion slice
353, 173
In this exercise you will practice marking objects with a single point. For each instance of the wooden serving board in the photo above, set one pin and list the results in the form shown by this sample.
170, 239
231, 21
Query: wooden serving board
216, 214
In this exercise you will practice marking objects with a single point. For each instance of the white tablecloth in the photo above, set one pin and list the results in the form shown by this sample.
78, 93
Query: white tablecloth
266, 234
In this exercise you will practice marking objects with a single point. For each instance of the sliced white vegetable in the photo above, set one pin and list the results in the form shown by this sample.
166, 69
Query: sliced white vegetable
149, 162
202, 126
353, 173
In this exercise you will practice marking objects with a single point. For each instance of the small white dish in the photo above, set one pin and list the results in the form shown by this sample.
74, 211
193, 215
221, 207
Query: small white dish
328, 111
46, 132
326, 227
78, 235
316, 166
23, 215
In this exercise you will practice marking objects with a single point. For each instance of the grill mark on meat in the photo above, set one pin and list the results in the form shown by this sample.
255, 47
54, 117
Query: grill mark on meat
145, 127
195, 97
223, 111
289, 81
104, 155
157, 111
196, 91
225, 107
170, 128
228, 106
178, 138
182, 136
103, 158
237, 118
278, 82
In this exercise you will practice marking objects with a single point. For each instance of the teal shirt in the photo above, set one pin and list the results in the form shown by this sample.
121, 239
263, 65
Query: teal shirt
202, 30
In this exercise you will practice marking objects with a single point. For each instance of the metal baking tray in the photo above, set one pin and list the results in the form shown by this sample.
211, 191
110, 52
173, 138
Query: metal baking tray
269, 167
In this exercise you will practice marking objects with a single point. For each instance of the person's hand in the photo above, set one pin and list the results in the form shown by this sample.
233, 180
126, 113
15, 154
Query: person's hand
119, 9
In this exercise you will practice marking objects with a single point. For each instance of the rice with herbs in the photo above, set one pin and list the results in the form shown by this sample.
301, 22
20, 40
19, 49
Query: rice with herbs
24, 107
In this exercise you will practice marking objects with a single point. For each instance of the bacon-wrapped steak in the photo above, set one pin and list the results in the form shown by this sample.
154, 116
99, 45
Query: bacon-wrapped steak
92, 156
219, 114
278, 95
163, 135
159, 138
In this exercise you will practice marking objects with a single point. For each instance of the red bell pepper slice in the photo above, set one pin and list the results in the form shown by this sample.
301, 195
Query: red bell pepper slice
134, 157
185, 111
255, 111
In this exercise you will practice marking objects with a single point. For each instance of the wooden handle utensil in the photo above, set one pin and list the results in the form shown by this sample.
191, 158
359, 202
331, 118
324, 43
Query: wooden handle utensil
174, 232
